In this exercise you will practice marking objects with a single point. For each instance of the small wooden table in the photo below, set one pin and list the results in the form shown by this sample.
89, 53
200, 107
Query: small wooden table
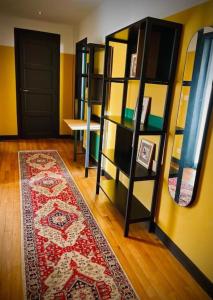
77, 124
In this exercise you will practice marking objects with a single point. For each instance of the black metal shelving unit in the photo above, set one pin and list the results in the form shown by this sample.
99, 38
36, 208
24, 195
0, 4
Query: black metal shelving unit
152, 38
93, 82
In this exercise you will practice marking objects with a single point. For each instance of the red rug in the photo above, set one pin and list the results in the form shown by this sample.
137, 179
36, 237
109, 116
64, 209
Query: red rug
186, 191
65, 253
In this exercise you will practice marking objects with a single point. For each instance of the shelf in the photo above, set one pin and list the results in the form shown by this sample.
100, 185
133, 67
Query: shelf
130, 125
95, 45
141, 173
186, 83
122, 122
117, 193
156, 81
95, 102
97, 76
148, 81
179, 130
116, 79
132, 78
117, 40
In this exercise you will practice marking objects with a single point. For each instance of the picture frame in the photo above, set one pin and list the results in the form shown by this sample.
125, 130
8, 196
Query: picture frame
146, 153
133, 65
145, 110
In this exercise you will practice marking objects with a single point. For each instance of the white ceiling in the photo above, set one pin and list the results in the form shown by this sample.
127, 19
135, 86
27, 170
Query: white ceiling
58, 11
74, 11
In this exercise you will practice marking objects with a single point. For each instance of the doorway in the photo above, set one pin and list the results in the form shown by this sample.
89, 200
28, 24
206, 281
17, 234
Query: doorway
37, 56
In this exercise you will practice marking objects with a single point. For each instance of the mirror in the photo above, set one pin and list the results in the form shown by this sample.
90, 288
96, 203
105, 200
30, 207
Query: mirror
193, 118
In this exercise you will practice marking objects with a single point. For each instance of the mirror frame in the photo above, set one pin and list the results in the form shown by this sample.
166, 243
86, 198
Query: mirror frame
204, 138
203, 147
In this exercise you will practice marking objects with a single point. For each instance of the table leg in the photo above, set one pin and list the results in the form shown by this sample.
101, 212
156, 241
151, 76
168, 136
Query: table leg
88, 141
75, 144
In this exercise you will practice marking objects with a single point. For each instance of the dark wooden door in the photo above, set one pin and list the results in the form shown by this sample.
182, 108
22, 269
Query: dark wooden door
37, 77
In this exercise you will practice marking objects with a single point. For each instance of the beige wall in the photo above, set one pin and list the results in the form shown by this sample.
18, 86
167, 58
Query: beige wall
112, 15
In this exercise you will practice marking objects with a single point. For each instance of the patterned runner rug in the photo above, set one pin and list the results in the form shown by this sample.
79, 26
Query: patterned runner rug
66, 255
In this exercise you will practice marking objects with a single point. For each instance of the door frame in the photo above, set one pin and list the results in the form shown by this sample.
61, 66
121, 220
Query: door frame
56, 37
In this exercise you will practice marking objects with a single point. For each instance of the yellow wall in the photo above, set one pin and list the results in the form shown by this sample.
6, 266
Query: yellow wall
8, 119
8, 115
190, 228
67, 77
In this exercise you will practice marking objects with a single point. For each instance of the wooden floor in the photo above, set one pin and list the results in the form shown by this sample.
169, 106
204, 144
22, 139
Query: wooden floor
153, 271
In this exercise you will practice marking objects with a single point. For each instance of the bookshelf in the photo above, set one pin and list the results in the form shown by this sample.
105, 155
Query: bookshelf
149, 60
89, 88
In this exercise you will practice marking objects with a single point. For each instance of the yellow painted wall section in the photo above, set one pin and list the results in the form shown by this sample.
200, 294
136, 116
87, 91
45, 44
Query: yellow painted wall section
99, 61
190, 228
8, 114
67, 67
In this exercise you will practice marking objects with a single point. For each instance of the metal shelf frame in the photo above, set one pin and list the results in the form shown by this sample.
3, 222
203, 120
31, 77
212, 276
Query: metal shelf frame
149, 24
85, 77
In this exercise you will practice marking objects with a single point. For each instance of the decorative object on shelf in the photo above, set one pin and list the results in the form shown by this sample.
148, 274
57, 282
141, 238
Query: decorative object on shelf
195, 109
61, 239
133, 65
154, 165
157, 67
145, 110
146, 153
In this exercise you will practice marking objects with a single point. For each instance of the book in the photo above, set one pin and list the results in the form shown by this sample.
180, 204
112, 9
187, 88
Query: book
133, 65
145, 110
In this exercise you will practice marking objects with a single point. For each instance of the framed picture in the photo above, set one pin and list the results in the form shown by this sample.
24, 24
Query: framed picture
133, 65
145, 109
146, 153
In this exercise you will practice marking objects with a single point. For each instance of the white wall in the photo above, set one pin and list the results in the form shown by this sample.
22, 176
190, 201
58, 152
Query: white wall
112, 15
8, 23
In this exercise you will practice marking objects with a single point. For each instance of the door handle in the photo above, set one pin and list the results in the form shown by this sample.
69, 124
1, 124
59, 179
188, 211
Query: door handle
24, 90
